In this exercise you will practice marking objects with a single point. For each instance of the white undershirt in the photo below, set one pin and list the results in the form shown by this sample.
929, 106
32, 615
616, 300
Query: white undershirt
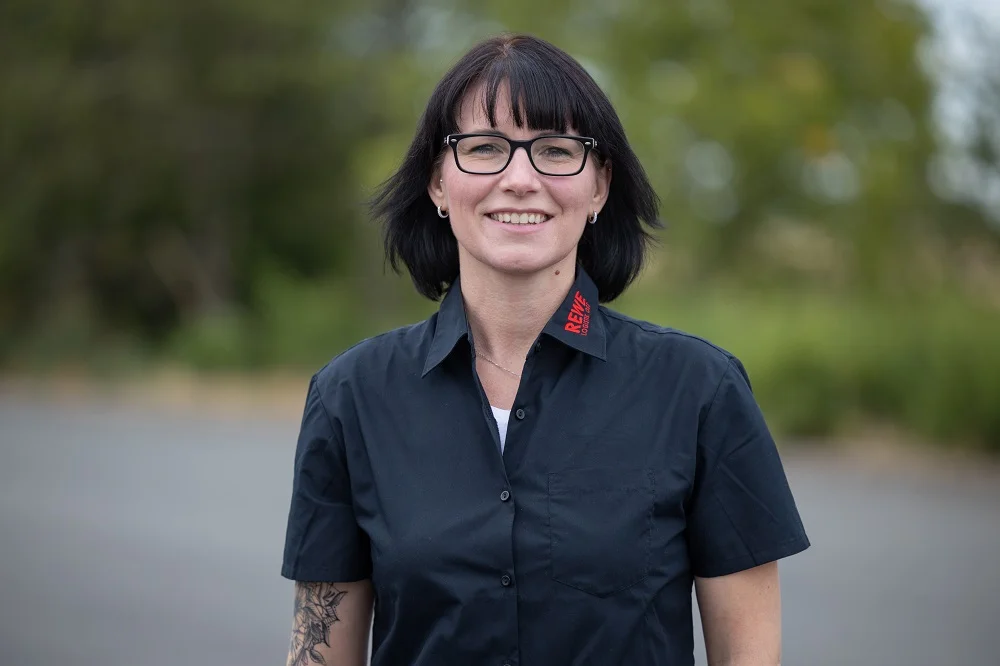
502, 416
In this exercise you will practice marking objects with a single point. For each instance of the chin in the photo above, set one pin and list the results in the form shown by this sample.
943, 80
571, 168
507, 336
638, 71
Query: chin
521, 263
515, 261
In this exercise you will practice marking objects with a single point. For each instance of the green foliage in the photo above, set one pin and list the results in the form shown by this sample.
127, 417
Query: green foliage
297, 325
186, 182
156, 156
822, 365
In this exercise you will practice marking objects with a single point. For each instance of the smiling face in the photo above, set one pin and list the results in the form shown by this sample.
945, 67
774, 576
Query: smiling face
518, 221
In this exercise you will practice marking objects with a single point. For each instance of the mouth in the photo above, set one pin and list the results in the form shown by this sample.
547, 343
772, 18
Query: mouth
519, 219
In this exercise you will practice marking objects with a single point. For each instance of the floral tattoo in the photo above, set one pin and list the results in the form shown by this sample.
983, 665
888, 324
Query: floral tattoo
315, 613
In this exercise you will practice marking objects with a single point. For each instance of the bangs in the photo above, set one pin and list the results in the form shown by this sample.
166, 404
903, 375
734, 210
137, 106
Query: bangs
540, 100
544, 95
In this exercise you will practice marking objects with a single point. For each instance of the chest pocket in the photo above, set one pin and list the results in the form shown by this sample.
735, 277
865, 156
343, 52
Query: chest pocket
600, 528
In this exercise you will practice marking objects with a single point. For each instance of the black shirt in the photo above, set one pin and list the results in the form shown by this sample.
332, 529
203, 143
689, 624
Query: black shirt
636, 457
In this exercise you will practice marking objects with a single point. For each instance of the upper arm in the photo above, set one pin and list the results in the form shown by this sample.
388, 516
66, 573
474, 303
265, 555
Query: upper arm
323, 541
332, 623
741, 617
742, 519
741, 512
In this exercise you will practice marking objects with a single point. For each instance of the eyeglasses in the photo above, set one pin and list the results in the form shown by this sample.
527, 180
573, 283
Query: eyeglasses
551, 155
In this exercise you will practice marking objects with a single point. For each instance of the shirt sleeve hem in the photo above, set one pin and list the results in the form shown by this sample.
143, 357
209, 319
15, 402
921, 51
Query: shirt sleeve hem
322, 574
749, 560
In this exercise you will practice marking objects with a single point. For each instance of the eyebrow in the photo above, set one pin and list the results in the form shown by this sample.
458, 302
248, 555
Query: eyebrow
494, 132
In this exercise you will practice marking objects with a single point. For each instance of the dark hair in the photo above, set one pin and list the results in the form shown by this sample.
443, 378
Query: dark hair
548, 90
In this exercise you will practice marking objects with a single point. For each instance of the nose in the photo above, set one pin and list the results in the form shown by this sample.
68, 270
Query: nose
520, 176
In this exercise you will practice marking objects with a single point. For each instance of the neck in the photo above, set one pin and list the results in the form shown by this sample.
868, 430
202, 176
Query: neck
507, 312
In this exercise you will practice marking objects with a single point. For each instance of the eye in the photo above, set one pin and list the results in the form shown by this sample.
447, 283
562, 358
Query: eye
554, 151
484, 148
558, 150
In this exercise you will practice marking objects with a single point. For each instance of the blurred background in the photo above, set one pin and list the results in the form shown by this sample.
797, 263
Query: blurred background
182, 213
184, 184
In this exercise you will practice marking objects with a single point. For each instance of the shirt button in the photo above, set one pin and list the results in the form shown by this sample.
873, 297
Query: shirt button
504, 496
519, 414
505, 580
538, 346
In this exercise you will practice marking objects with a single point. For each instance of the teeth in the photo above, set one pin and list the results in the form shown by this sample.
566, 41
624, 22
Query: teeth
519, 218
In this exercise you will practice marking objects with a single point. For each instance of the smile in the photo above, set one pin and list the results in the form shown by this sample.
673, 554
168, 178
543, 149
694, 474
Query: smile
520, 218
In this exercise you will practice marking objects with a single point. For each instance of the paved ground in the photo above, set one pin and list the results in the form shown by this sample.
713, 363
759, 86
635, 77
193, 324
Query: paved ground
139, 537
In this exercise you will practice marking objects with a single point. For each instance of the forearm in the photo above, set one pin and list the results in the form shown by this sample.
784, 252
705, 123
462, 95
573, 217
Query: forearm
331, 624
749, 660
744, 648
741, 617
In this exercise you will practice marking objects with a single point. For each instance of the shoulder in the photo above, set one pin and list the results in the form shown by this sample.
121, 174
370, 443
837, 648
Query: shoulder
657, 342
670, 358
377, 359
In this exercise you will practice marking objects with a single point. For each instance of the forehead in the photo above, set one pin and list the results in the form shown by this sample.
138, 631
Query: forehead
473, 111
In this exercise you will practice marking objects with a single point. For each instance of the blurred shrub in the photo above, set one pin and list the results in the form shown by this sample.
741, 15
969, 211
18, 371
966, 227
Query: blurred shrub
820, 365
157, 156
823, 366
182, 182
215, 342
298, 325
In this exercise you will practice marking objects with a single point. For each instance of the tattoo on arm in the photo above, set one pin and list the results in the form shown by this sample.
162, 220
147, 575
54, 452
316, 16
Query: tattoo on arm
315, 613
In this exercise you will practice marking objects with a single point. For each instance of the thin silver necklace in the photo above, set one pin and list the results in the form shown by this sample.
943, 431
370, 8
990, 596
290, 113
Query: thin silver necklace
492, 362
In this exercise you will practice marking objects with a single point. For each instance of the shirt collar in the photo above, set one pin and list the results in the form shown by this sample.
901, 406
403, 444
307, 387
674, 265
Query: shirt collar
577, 322
449, 327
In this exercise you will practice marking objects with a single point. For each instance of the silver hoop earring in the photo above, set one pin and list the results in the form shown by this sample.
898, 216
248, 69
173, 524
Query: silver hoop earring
440, 214
593, 219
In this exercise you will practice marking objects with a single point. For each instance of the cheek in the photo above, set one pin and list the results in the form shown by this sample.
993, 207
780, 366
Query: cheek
571, 196
466, 194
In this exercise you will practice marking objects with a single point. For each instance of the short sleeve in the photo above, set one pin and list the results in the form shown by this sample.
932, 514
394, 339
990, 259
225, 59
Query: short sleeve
742, 513
323, 541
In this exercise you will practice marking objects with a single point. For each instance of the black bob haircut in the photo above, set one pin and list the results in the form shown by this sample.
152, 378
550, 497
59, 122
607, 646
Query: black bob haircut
552, 92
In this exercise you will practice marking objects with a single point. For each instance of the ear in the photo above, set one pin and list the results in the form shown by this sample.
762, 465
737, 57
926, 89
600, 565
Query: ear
435, 188
602, 186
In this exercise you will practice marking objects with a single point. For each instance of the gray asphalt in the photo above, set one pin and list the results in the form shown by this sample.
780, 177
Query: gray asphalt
133, 536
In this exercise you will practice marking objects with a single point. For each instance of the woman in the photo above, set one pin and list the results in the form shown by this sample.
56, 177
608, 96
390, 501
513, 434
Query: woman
528, 477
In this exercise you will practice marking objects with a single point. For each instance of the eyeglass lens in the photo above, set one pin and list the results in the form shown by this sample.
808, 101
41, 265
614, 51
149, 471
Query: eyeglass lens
490, 154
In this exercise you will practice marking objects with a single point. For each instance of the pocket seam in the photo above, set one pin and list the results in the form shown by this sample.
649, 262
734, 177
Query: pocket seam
649, 493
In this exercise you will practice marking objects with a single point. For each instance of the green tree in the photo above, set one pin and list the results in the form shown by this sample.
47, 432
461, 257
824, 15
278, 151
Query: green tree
159, 158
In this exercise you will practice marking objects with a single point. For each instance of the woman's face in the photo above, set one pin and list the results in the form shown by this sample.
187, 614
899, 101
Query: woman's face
477, 204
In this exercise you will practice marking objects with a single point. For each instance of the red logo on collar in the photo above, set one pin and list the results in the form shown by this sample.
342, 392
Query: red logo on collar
578, 319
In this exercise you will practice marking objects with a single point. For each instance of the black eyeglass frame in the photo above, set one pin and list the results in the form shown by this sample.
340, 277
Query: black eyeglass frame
589, 144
